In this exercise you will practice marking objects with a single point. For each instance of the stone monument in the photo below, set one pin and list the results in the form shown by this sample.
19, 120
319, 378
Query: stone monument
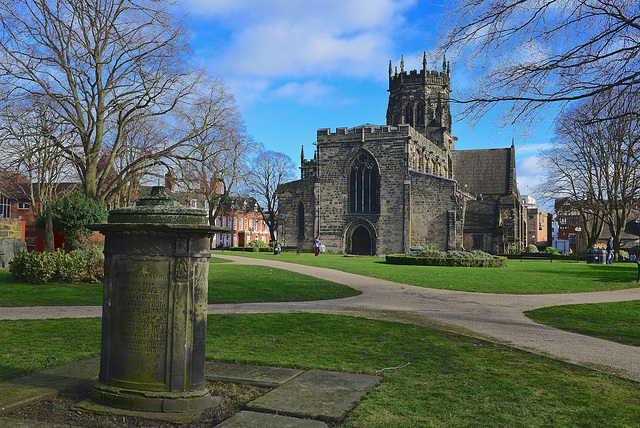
154, 314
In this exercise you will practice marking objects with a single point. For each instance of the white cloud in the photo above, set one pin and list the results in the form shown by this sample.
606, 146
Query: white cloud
301, 39
304, 93
529, 166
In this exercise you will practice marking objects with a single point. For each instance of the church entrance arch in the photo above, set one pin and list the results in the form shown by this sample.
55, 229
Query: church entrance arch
361, 239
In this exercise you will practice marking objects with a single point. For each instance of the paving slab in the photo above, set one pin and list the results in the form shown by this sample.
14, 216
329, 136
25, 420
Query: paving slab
262, 376
316, 394
20, 391
247, 419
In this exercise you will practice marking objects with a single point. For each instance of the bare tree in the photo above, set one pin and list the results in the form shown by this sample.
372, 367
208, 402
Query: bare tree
594, 160
105, 68
28, 136
210, 164
529, 54
268, 171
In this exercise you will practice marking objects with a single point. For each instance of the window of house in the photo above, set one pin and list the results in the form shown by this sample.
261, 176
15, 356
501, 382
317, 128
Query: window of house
5, 207
363, 185
23, 205
235, 223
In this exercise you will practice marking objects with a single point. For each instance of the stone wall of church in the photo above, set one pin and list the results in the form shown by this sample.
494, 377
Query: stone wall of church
436, 212
290, 196
336, 153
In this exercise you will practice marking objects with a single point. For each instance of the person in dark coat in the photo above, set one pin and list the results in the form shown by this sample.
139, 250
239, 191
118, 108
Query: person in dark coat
610, 251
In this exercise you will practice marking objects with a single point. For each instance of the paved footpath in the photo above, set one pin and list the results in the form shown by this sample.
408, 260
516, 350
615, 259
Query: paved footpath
495, 317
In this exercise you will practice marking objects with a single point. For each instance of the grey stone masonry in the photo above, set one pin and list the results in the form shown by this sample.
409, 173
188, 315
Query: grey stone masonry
375, 190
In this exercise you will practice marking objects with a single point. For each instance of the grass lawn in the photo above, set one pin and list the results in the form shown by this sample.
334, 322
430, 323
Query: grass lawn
519, 277
227, 284
433, 378
244, 284
22, 294
617, 321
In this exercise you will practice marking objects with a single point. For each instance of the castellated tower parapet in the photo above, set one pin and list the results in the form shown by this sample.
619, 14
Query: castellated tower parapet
421, 99
433, 78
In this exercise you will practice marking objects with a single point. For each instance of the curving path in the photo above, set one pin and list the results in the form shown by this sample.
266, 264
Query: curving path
495, 317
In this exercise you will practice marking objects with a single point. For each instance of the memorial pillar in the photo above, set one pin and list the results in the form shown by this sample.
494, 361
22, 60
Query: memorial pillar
154, 315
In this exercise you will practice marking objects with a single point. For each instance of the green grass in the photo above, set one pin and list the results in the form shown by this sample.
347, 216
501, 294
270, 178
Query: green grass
617, 321
25, 345
227, 284
249, 284
519, 277
22, 294
434, 378
448, 379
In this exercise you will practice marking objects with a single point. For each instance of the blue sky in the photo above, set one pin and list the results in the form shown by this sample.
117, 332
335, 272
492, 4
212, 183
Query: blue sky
296, 66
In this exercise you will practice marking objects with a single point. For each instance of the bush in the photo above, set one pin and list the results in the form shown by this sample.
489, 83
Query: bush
58, 266
72, 212
532, 249
551, 250
257, 245
450, 258
491, 261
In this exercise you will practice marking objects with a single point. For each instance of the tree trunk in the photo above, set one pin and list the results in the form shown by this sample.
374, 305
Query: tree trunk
49, 244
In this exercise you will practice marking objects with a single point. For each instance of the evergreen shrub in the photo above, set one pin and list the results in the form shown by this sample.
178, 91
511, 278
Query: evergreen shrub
58, 266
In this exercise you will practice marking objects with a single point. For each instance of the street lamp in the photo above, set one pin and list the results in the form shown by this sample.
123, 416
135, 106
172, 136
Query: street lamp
578, 230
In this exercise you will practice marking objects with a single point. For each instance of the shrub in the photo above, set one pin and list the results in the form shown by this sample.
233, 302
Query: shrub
551, 250
450, 258
532, 249
402, 259
59, 266
257, 244
72, 212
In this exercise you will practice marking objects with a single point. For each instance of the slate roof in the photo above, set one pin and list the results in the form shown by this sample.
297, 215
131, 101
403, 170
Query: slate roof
481, 216
486, 171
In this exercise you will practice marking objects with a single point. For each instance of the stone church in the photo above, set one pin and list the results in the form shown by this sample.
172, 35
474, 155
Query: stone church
383, 189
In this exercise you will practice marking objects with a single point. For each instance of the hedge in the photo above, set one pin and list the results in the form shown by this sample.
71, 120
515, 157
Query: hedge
250, 249
400, 259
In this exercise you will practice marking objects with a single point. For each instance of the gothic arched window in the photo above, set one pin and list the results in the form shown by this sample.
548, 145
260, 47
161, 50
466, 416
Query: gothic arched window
363, 185
301, 221
408, 114
420, 114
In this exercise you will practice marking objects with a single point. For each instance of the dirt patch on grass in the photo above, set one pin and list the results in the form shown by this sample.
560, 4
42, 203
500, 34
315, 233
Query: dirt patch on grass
60, 409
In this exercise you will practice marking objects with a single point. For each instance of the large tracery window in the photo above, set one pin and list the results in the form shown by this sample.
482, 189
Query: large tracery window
363, 185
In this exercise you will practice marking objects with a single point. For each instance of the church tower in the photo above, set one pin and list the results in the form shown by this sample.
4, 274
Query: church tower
422, 101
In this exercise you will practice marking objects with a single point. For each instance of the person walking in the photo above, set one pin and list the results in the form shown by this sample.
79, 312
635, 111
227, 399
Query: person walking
316, 246
610, 251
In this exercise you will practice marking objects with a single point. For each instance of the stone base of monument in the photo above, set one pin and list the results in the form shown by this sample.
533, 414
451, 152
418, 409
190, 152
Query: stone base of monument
179, 417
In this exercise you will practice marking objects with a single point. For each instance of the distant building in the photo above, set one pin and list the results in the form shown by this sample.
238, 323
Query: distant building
539, 224
242, 216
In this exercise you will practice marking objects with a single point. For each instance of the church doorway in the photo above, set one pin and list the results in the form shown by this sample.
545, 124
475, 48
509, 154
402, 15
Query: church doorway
361, 242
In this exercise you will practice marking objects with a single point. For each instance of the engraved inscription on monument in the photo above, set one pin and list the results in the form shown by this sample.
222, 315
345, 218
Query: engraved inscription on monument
140, 317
